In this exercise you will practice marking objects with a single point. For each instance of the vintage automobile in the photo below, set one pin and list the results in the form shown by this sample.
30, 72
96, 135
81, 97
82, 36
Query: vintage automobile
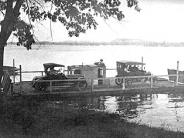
41, 83
92, 71
130, 68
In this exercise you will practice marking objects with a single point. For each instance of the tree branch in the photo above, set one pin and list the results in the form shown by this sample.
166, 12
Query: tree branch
17, 8
9, 8
10, 18
40, 4
4, 24
2, 12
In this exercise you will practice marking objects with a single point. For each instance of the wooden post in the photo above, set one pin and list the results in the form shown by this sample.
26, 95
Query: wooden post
13, 70
142, 60
20, 69
109, 83
151, 81
42, 73
50, 86
177, 73
92, 85
123, 84
11, 89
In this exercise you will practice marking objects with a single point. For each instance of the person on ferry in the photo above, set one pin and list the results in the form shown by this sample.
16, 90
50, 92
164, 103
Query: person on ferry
100, 63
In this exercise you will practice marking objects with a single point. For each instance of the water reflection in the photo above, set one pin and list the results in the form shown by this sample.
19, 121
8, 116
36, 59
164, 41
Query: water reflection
158, 110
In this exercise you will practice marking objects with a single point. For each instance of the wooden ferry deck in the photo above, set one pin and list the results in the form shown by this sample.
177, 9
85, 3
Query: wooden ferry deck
26, 89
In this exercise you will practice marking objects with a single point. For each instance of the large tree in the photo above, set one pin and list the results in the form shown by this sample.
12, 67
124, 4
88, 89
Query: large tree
76, 15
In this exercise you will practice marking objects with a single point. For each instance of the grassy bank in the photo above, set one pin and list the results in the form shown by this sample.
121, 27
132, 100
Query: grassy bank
22, 117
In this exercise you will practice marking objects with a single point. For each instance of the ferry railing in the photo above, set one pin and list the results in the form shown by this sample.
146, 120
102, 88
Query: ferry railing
26, 75
41, 72
109, 83
104, 84
73, 84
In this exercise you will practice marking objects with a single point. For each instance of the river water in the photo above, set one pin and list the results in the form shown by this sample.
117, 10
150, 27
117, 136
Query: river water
155, 110
157, 59
158, 110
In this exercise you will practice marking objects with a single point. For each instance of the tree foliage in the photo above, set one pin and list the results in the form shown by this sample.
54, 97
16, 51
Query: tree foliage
76, 15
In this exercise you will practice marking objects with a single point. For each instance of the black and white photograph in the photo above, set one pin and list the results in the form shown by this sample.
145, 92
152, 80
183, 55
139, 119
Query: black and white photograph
91, 69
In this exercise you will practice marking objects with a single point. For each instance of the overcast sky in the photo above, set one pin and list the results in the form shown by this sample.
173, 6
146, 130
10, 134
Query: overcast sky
159, 20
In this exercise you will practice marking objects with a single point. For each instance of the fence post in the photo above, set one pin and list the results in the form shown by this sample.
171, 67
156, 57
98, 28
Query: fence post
177, 73
92, 85
123, 84
109, 83
20, 72
142, 60
50, 86
151, 81
13, 70
42, 73
11, 88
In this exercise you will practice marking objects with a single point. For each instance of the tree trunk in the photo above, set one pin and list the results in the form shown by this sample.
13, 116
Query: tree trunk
2, 45
7, 24
3, 40
1, 63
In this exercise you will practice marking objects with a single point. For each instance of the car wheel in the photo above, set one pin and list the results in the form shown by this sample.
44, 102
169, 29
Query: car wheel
82, 85
40, 86
37, 86
34, 82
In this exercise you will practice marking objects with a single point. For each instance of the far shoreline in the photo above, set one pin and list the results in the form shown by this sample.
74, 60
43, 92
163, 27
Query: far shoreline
122, 42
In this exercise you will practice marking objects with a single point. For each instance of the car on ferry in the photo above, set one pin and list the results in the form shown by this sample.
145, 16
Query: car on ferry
55, 73
89, 71
130, 68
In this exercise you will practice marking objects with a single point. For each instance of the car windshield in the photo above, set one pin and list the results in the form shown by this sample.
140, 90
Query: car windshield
55, 70
133, 68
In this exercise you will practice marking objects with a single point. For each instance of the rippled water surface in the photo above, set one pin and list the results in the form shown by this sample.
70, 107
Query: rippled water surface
157, 110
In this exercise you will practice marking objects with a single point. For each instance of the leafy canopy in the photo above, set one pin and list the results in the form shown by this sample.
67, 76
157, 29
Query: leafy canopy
76, 15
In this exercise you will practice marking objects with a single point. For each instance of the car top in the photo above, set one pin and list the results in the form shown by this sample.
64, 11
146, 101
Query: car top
130, 62
51, 65
81, 66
